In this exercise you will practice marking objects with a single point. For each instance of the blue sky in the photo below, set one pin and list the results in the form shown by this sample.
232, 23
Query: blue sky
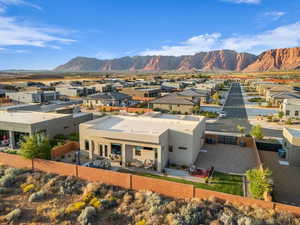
41, 34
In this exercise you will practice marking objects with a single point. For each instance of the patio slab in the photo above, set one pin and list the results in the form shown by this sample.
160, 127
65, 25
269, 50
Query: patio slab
226, 158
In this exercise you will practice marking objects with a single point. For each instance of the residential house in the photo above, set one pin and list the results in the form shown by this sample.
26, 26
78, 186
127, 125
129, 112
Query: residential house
75, 91
16, 124
174, 103
291, 108
108, 99
144, 141
291, 144
278, 98
142, 92
33, 96
196, 95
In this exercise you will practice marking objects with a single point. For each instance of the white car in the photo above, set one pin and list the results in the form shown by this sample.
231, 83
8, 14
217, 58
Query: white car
222, 114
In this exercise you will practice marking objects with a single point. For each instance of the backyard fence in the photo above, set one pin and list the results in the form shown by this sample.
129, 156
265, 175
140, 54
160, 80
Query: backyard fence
135, 182
127, 109
59, 151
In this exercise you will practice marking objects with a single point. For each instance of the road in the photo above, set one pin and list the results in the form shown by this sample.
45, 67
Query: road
236, 114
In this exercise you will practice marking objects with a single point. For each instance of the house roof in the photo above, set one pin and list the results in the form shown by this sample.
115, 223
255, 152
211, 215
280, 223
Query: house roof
193, 93
286, 95
172, 99
109, 96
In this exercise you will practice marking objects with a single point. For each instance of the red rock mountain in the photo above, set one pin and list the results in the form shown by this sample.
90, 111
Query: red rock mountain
223, 60
277, 59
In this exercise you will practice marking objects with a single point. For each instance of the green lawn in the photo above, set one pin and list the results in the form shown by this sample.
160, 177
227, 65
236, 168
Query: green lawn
221, 182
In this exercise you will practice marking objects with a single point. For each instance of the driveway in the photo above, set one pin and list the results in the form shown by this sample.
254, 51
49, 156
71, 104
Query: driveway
286, 179
226, 158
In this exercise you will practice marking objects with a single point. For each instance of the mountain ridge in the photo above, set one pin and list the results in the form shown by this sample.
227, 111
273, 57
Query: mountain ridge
218, 60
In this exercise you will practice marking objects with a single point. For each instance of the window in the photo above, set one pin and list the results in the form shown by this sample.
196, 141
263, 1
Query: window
170, 148
105, 150
100, 150
93, 146
296, 113
138, 152
287, 112
87, 145
148, 148
182, 148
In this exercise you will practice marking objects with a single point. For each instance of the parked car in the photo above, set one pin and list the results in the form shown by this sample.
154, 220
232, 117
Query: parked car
222, 114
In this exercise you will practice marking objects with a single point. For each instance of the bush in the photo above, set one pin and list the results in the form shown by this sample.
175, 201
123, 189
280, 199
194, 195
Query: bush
86, 215
13, 215
258, 99
75, 207
37, 196
259, 182
27, 187
7, 180
257, 132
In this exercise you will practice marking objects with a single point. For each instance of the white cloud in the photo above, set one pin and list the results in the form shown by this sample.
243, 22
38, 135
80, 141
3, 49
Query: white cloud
204, 42
5, 3
16, 33
22, 51
274, 15
281, 37
244, 1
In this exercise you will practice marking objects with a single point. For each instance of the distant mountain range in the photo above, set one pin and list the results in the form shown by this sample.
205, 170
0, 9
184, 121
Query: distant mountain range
222, 60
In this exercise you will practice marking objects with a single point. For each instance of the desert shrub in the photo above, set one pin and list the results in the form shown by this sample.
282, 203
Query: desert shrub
56, 214
13, 215
3, 190
95, 203
37, 196
27, 187
86, 215
75, 207
189, 214
141, 222
7, 180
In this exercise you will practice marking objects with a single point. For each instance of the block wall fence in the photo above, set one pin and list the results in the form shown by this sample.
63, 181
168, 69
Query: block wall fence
129, 181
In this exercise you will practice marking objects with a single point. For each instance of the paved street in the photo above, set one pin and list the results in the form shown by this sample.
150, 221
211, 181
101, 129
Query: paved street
236, 115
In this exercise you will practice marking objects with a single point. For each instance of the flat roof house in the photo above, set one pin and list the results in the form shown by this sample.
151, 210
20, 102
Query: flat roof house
33, 96
107, 99
157, 140
291, 108
142, 92
291, 143
15, 124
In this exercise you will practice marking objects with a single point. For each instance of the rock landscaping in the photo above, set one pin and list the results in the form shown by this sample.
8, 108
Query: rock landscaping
32, 197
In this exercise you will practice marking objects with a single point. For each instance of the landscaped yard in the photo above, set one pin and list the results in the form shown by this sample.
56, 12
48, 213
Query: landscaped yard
221, 182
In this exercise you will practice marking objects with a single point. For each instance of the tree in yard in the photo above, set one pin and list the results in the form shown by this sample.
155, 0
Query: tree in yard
36, 147
257, 132
216, 97
260, 182
280, 115
241, 129
196, 109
